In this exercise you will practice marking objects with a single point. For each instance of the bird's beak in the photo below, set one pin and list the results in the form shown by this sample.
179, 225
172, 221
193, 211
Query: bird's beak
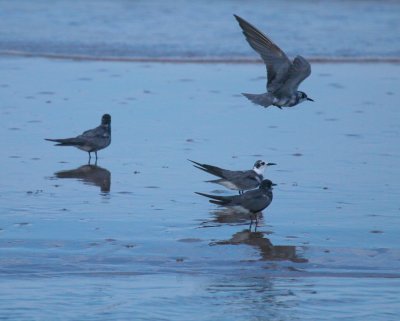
310, 99
269, 164
273, 184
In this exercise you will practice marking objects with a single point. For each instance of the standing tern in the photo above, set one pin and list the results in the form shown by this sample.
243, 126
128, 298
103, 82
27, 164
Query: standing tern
91, 140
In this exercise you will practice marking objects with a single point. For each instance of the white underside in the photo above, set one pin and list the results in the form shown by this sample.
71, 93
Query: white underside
85, 148
228, 185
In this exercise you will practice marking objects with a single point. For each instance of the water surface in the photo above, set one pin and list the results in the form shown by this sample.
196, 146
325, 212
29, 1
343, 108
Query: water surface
198, 30
131, 237
127, 238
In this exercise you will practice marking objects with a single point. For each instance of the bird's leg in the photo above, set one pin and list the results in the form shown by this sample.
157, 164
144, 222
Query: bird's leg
90, 157
251, 221
96, 157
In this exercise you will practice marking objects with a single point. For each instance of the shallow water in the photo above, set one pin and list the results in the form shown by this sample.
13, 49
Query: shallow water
198, 29
130, 239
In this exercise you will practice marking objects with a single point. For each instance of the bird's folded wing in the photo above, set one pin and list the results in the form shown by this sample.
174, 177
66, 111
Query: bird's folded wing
217, 199
254, 200
214, 170
74, 141
233, 176
244, 179
97, 132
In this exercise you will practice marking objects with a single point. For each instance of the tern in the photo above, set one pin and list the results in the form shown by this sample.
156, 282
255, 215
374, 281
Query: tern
91, 140
250, 202
283, 76
236, 180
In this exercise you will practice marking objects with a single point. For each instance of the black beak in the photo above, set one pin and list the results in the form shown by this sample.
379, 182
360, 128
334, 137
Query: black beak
269, 164
273, 184
310, 99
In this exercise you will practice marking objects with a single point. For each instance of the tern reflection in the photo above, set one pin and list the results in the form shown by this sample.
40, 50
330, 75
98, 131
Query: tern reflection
232, 217
89, 174
256, 239
268, 251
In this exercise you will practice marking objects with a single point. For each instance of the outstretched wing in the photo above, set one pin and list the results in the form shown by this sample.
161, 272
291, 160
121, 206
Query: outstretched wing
276, 61
298, 71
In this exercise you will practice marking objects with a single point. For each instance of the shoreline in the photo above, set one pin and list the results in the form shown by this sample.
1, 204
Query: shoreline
198, 60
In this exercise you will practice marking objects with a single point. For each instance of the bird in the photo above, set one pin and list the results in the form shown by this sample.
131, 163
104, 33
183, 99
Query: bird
283, 76
236, 180
251, 202
91, 140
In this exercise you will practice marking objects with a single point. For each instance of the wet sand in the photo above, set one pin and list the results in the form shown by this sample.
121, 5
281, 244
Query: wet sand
130, 238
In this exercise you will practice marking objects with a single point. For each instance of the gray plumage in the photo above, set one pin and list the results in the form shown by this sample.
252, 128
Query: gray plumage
284, 76
253, 201
236, 180
91, 140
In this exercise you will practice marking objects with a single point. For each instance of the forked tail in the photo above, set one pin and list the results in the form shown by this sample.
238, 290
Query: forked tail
264, 100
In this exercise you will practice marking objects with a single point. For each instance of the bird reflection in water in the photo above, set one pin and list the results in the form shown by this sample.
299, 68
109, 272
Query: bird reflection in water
232, 217
268, 251
89, 174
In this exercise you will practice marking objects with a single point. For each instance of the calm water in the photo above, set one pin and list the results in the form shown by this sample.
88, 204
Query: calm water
198, 29
129, 239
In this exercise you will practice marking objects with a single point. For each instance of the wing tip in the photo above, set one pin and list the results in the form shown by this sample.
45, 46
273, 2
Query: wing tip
203, 194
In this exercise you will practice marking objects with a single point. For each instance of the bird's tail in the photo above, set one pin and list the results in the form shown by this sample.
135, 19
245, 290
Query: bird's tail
66, 141
215, 199
264, 100
214, 170
217, 181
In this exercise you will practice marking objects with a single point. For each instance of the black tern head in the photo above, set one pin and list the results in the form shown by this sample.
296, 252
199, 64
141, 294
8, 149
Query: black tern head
284, 76
91, 140
266, 184
106, 119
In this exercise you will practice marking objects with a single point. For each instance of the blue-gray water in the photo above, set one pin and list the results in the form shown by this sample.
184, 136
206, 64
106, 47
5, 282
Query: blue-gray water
129, 239
198, 29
